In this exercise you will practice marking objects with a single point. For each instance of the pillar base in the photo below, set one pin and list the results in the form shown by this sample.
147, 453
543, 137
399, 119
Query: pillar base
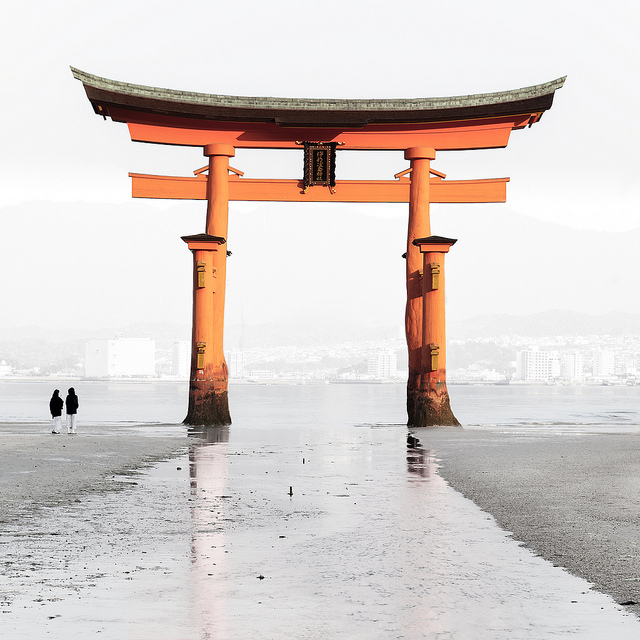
207, 405
430, 410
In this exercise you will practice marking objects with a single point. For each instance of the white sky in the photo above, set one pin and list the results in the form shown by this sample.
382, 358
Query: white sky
578, 166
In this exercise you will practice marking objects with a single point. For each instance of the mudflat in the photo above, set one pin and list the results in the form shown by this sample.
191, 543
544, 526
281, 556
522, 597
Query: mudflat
262, 533
572, 497
38, 468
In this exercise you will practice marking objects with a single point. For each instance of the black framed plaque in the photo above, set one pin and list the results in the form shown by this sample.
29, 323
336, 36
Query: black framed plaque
319, 164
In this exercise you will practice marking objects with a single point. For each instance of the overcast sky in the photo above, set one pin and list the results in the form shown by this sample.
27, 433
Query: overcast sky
577, 167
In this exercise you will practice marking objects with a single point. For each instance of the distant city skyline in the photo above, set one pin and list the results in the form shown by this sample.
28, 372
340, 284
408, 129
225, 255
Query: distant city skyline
497, 358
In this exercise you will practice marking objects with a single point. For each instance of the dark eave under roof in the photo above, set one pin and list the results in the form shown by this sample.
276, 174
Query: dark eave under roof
106, 94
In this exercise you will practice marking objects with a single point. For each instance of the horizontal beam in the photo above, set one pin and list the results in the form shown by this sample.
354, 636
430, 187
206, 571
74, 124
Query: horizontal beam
486, 133
274, 190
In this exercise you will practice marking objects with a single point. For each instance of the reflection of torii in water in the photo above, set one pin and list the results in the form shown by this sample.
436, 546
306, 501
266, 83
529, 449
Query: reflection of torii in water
419, 127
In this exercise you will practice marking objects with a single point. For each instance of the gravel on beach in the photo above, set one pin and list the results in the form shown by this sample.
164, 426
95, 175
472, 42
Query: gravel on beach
572, 498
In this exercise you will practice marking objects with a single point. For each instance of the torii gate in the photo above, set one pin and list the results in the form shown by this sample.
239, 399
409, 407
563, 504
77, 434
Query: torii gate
419, 127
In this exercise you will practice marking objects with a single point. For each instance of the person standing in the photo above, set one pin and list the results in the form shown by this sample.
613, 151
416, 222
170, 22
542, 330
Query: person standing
71, 405
55, 406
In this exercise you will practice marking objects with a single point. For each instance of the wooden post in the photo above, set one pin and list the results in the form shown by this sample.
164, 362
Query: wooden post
208, 402
208, 388
432, 406
419, 227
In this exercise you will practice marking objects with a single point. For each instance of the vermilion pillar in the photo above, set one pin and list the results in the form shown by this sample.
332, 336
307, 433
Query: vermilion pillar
419, 227
432, 406
208, 401
208, 389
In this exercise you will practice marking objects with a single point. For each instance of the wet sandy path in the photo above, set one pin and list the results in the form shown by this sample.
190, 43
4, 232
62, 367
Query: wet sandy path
372, 544
572, 495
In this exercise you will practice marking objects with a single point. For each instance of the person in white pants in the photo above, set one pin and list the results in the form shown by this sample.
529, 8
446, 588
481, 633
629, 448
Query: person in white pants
71, 406
55, 407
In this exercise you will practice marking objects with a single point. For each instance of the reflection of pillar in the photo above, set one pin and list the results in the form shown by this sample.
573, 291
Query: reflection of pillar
419, 227
209, 481
432, 405
208, 401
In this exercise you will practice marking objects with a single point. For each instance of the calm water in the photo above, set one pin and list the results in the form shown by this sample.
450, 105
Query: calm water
592, 407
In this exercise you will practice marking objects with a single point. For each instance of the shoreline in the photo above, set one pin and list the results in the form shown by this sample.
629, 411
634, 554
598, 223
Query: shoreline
310, 382
572, 498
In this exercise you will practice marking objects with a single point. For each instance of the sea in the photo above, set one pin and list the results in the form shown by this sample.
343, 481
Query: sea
512, 406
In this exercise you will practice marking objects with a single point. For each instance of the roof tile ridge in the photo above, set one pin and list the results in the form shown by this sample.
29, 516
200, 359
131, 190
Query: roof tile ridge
329, 104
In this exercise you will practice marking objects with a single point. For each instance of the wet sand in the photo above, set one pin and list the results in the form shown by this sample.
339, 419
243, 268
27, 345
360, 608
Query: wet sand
372, 544
573, 498
40, 469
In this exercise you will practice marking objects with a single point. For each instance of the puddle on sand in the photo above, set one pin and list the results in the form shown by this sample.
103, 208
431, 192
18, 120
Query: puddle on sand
371, 544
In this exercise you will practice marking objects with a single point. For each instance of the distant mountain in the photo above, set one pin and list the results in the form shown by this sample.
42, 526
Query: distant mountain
546, 323
318, 272
159, 331
506, 263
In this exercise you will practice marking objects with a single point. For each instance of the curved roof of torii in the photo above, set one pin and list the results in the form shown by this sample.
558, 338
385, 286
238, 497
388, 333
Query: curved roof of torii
112, 98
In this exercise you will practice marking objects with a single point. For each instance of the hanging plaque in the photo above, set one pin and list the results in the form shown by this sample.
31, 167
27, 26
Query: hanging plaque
319, 164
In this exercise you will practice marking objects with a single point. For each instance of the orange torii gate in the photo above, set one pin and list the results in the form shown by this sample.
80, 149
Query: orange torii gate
419, 127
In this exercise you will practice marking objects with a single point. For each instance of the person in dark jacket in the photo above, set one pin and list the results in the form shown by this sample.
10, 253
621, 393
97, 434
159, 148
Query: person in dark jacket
55, 406
71, 405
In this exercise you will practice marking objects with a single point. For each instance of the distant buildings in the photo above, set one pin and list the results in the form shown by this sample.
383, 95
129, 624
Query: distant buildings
120, 358
536, 365
533, 365
564, 360
236, 364
604, 364
181, 359
572, 366
383, 365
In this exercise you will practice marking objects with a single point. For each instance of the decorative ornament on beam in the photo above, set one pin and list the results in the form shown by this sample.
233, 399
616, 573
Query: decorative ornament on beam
408, 171
205, 169
319, 164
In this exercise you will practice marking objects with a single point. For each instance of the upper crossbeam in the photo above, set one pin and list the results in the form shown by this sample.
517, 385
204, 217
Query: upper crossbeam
277, 190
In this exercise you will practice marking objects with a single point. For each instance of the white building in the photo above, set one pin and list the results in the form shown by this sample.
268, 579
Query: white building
120, 358
261, 374
181, 359
5, 369
572, 366
604, 364
534, 365
383, 365
235, 362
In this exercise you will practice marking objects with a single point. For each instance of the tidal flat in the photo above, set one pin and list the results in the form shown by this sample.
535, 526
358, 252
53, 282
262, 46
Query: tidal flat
311, 517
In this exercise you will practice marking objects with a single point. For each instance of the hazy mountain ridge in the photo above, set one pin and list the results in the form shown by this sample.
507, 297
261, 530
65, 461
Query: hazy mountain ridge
302, 270
546, 323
